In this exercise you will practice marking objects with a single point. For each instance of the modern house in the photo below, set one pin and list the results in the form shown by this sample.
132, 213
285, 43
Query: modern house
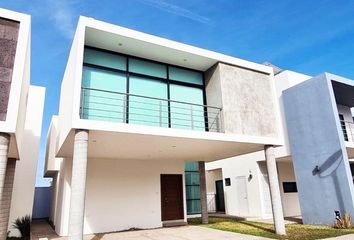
21, 110
313, 165
139, 116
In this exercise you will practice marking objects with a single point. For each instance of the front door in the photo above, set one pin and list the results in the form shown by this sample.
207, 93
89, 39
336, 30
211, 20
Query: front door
220, 203
171, 197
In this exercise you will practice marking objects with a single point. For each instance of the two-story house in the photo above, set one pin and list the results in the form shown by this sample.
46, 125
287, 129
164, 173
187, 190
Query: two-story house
313, 165
134, 108
21, 110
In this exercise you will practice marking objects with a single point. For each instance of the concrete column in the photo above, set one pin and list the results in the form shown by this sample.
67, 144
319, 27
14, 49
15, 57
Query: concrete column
278, 216
5, 202
78, 185
4, 149
203, 193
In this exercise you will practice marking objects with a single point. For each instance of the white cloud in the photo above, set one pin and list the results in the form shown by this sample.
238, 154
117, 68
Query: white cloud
63, 14
177, 10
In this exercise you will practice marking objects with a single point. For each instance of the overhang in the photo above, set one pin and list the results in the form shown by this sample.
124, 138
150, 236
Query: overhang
343, 90
123, 40
128, 141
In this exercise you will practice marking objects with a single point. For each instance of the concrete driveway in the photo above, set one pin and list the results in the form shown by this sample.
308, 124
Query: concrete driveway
44, 231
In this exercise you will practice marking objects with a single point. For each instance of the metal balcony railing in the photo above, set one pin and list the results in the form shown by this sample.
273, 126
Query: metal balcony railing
348, 130
97, 104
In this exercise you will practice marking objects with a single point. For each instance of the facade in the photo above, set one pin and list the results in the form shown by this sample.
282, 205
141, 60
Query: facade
139, 114
306, 176
21, 110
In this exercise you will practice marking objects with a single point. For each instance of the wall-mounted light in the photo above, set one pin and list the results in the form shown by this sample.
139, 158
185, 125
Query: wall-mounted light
250, 176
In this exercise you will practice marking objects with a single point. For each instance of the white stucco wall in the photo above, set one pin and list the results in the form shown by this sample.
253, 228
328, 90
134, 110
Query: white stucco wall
236, 167
52, 163
120, 194
70, 88
25, 172
290, 201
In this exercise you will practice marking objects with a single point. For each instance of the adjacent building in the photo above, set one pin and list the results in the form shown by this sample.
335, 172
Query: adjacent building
21, 110
313, 165
139, 116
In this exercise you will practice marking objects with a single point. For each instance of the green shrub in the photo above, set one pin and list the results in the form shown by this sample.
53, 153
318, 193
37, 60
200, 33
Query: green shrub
23, 225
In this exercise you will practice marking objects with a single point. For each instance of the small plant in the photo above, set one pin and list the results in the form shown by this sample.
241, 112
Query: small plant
23, 225
345, 222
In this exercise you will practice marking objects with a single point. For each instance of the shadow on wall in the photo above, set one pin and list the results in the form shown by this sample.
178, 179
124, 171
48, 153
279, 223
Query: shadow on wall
329, 169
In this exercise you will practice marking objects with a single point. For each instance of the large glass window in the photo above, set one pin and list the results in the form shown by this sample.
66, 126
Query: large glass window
105, 59
148, 110
190, 115
183, 75
120, 88
101, 100
147, 68
192, 187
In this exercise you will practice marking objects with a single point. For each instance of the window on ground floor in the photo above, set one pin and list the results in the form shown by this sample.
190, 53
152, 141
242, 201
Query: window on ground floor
192, 187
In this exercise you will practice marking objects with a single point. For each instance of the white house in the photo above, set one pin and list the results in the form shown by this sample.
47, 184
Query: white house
134, 108
243, 180
21, 110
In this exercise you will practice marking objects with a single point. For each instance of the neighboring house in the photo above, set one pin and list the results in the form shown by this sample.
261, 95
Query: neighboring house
313, 166
21, 110
134, 110
42, 203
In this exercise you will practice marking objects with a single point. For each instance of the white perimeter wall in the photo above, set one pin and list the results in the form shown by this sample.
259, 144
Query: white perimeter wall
120, 194
25, 172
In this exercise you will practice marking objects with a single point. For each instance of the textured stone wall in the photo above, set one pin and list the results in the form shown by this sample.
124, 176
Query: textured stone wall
8, 42
247, 99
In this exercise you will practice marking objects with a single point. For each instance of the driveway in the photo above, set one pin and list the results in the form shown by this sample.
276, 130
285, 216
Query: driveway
43, 231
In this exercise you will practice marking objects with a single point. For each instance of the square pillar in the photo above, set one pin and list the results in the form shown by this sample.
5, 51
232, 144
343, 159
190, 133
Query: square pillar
78, 185
278, 216
203, 193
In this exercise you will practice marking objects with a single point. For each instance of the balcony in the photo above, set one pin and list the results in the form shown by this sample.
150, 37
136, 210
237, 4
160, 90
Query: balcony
348, 134
348, 130
103, 105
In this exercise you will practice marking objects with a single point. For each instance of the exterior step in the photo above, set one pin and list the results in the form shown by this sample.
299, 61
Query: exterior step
174, 223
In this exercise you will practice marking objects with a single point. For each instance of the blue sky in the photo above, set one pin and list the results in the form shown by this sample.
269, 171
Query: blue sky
305, 36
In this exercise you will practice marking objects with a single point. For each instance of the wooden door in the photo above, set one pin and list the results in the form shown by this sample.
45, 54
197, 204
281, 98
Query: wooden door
171, 197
